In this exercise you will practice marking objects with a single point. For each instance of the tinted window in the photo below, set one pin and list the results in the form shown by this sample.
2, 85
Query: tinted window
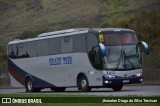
42, 47
18, 51
79, 43
12, 51
94, 52
67, 44
32, 48
22, 50
92, 41
54, 46
118, 39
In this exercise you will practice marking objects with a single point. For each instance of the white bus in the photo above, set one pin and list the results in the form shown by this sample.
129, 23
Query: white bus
84, 58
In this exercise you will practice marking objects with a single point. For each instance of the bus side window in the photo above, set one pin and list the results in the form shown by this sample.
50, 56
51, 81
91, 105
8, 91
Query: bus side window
42, 47
31, 49
12, 51
67, 44
54, 46
92, 41
79, 43
22, 51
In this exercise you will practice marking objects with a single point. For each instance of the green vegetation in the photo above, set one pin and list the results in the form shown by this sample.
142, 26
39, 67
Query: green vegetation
72, 98
3, 59
87, 104
22, 19
30, 34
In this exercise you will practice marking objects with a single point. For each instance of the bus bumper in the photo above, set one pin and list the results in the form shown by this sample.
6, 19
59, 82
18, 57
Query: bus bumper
109, 82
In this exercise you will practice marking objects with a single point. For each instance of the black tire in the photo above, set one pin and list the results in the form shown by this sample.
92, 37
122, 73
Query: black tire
117, 87
83, 84
29, 86
52, 89
59, 89
36, 89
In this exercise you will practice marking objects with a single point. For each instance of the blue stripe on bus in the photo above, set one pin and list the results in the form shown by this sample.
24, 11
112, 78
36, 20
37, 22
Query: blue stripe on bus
20, 76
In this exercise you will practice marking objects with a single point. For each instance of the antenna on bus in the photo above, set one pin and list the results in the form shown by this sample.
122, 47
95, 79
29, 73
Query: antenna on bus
57, 32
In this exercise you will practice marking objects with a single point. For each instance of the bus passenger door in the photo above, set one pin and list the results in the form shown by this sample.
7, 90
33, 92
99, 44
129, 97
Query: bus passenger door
94, 51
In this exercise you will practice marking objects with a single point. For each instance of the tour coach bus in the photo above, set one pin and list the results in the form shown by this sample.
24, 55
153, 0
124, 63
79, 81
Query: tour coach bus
84, 58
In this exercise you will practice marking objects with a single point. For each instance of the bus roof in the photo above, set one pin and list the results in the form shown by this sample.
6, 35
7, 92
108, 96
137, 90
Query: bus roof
68, 32
103, 30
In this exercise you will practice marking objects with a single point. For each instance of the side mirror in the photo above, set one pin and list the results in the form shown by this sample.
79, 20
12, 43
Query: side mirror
145, 45
103, 49
104, 52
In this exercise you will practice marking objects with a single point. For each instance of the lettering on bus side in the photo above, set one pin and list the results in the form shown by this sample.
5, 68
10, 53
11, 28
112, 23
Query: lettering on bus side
55, 61
60, 60
67, 60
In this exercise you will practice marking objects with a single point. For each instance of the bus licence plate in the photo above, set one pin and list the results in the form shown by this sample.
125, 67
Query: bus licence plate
125, 81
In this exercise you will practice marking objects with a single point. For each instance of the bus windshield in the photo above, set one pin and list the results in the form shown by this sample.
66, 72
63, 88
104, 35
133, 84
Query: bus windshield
122, 51
123, 57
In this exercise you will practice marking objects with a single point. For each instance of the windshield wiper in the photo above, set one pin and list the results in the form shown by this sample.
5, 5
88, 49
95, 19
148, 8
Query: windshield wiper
119, 60
126, 58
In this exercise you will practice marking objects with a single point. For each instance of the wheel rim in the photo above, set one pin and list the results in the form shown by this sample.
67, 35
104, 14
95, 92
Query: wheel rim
29, 85
83, 83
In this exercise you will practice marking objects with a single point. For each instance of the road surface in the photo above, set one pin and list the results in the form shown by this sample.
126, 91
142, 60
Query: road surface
127, 90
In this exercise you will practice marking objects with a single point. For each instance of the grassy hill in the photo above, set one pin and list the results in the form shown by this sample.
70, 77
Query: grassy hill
30, 15
27, 18
18, 16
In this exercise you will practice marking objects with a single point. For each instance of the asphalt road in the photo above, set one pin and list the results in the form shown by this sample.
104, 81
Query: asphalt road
127, 90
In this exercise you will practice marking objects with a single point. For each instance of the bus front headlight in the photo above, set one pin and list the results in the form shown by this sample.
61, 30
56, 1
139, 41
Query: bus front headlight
138, 75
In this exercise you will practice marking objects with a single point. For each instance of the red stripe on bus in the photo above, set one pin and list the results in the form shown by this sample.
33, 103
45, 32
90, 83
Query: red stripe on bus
16, 76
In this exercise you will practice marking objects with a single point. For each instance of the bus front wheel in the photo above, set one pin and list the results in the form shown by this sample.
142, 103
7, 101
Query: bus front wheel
29, 86
83, 84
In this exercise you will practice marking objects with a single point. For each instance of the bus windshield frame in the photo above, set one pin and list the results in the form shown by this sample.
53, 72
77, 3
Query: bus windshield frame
122, 51
123, 57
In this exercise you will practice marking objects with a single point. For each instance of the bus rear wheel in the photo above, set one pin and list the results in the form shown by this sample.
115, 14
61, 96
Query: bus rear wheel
29, 86
83, 84
117, 87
